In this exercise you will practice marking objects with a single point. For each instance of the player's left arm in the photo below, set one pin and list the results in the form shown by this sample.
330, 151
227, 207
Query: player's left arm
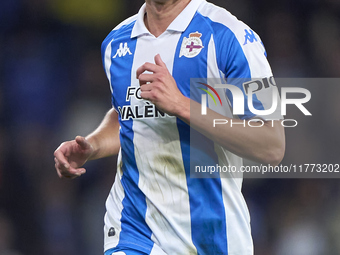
265, 144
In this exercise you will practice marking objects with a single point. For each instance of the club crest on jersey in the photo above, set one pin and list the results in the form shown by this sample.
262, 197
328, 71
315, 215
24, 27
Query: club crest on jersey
191, 46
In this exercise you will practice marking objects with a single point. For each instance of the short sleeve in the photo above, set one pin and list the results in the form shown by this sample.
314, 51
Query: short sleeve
245, 65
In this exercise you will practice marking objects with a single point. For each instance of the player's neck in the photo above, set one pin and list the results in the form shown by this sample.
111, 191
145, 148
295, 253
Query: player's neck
160, 14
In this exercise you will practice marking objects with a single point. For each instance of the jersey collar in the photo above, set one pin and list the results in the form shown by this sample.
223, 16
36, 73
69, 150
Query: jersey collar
179, 24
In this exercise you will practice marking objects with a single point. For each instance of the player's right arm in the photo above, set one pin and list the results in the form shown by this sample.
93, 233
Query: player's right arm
70, 156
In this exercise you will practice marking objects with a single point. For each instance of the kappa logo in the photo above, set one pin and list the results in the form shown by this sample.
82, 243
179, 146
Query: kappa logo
122, 50
191, 46
250, 36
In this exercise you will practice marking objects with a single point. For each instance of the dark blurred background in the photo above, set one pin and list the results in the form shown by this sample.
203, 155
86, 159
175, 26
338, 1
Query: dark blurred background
53, 87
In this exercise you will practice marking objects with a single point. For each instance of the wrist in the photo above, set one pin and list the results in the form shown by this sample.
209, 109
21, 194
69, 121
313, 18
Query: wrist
182, 109
94, 148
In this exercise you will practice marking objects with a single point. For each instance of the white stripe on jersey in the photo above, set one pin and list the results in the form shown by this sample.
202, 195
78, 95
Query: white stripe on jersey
107, 62
114, 201
162, 197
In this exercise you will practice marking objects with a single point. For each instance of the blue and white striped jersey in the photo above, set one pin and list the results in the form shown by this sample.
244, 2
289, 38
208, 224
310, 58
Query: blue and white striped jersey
154, 206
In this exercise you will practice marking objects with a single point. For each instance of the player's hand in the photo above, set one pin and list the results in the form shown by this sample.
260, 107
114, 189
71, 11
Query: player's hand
70, 156
160, 87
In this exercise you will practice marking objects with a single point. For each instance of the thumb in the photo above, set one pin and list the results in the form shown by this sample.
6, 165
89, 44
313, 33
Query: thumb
82, 142
159, 61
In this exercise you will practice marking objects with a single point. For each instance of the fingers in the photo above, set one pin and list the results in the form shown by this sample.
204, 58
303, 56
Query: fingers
158, 70
146, 78
62, 165
146, 87
60, 156
146, 91
159, 61
147, 67
159, 65
147, 95
67, 171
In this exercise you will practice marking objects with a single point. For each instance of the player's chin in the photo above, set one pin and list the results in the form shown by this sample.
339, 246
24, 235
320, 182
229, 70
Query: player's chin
163, 1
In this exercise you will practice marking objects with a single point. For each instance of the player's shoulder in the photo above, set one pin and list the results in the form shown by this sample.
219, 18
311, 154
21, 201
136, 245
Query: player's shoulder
122, 29
236, 40
224, 22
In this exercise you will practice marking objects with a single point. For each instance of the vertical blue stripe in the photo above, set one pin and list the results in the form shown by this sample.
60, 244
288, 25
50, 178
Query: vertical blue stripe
134, 231
208, 222
233, 62
238, 72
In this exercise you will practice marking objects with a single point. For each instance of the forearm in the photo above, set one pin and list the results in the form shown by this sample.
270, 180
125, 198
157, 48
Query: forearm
105, 139
264, 144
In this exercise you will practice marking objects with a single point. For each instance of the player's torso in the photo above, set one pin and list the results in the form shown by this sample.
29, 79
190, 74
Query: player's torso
155, 170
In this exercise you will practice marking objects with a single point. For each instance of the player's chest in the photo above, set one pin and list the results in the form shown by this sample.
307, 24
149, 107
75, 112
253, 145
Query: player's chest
185, 55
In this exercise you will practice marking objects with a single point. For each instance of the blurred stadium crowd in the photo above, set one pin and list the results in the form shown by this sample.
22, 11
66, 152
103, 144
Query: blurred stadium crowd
53, 87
